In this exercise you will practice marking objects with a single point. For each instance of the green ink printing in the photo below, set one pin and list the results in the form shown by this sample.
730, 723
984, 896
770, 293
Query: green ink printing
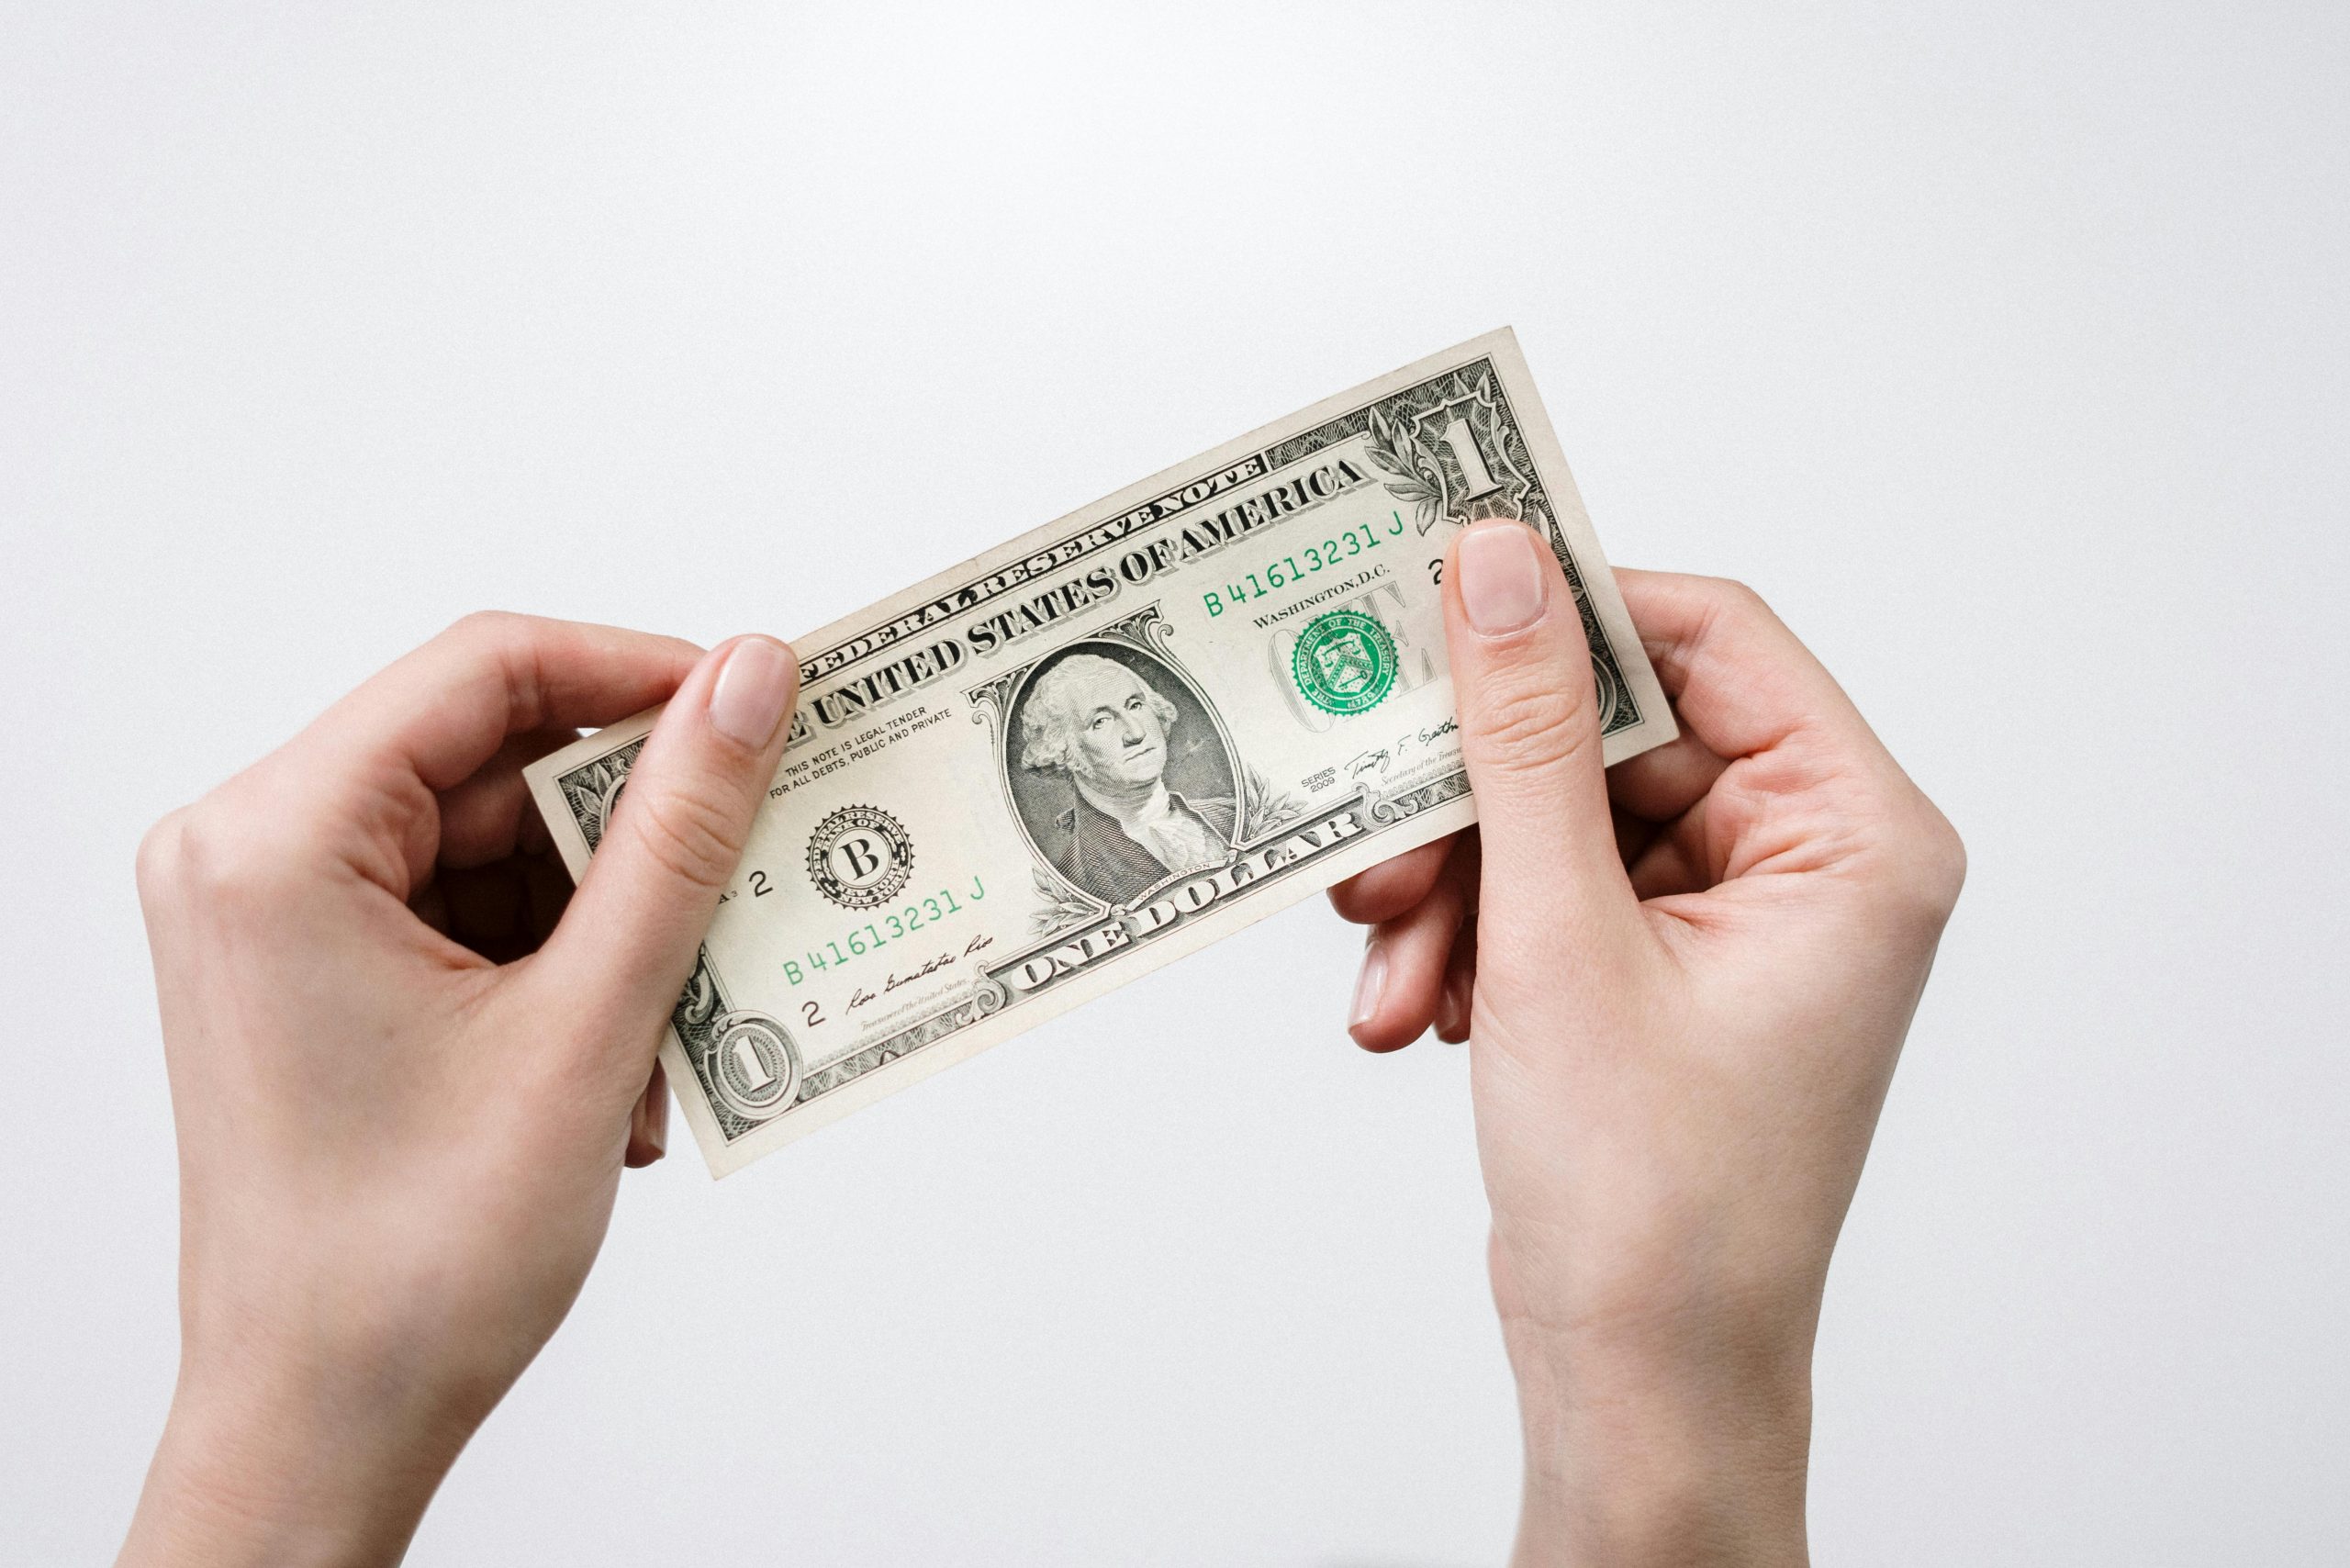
1345, 661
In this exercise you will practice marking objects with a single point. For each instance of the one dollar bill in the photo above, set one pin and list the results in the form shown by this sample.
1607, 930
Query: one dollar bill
1109, 743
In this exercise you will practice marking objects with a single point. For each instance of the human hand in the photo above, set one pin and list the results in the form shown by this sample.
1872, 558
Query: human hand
402, 1120
1685, 984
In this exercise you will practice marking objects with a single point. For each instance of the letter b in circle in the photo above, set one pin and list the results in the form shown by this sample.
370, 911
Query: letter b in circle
859, 857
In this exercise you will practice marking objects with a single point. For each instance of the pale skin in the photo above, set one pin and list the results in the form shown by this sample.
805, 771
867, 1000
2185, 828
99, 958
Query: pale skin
1684, 984
397, 1157
408, 1075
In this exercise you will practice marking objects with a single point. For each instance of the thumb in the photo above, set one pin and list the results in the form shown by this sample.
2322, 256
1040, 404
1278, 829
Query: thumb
626, 945
1526, 696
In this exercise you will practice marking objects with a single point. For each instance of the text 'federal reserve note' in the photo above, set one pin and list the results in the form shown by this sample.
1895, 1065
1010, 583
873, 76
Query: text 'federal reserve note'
1109, 743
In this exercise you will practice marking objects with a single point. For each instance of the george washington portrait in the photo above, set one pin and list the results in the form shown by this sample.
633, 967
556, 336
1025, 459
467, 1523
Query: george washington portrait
1118, 772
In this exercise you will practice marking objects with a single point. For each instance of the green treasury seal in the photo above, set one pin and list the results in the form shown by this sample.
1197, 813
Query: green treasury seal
1345, 661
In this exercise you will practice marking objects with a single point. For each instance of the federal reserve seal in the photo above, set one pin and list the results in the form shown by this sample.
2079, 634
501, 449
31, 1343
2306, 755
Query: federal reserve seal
752, 1066
859, 857
1345, 661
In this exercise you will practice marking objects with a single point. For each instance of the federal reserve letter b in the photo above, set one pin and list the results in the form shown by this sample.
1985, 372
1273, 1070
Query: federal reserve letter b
1109, 743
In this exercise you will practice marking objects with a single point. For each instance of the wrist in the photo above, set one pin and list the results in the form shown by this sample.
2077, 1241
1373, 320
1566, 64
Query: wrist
243, 1476
1636, 1457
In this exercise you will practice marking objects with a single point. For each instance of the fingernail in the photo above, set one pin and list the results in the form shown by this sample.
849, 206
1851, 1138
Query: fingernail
1502, 583
753, 688
1450, 1016
1371, 987
657, 1123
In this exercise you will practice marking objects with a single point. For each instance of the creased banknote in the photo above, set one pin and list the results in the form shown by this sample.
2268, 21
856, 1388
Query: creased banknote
1109, 743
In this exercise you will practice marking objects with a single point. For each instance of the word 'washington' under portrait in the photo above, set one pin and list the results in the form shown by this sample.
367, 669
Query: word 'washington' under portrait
1119, 773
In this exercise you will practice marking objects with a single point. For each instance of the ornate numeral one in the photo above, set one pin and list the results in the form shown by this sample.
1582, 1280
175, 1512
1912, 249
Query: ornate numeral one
752, 1068
1462, 442
755, 1076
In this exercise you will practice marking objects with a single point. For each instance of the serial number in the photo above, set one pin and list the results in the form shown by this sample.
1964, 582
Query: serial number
877, 933
1289, 569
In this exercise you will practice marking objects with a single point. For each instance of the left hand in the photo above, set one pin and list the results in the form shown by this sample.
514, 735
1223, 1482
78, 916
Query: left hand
401, 1118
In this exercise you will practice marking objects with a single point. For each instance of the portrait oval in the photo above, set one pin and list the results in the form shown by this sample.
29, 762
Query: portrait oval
1119, 771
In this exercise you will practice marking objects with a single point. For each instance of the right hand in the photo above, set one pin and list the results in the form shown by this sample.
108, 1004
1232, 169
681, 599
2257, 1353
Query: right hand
1684, 985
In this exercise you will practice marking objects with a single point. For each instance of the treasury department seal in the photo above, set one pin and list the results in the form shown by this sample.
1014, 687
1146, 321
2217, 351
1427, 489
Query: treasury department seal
1344, 662
858, 857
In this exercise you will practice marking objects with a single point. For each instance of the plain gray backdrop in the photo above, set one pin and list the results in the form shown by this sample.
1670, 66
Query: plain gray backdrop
2001, 345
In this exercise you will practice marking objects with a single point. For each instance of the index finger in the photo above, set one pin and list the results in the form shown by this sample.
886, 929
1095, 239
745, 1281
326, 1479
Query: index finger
1740, 680
441, 711
1387, 890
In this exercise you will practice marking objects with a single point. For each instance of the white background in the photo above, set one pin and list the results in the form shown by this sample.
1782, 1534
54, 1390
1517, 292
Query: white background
2002, 345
